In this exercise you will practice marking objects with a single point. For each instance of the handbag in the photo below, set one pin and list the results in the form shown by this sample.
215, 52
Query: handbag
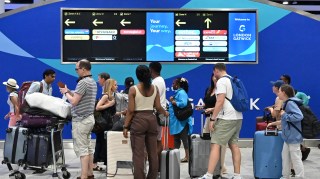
183, 113
100, 123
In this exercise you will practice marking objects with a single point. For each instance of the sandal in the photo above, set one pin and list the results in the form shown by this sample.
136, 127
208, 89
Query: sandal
184, 160
97, 168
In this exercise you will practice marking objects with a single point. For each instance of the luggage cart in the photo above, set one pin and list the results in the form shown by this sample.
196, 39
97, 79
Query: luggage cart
50, 130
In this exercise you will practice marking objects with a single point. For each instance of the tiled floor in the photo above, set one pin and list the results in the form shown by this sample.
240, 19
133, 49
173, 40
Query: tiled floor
312, 167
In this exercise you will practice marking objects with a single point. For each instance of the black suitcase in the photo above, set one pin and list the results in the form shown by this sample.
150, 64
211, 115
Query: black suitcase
40, 149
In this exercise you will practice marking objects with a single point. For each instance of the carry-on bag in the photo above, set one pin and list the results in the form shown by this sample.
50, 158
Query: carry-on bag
199, 153
39, 150
119, 153
170, 160
263, 121
267, 148
15, 146
36, 121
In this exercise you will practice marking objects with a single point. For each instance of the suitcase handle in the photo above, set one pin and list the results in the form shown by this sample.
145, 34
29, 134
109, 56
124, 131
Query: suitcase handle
271, 132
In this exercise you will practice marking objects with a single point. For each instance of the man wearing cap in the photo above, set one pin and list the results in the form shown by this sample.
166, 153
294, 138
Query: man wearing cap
276, 108
48, 76
12, 101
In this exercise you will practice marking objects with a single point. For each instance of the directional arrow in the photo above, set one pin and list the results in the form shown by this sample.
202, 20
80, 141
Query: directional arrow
178, 23
208, 21
124, 22
67, 22
96, 22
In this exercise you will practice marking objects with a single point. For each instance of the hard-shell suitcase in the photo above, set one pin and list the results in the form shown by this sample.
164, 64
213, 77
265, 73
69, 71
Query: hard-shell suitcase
39, 150
199, 154
267, 148
15, 146
119, 153
170, 160
170, 164
37, 121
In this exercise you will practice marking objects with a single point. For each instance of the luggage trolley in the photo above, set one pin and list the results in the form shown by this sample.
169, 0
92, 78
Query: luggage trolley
50, 131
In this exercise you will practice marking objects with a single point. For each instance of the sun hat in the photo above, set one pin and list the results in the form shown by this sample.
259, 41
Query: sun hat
12, 83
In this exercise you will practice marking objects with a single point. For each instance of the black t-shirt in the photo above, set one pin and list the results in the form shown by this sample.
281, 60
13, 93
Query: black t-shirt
210, 101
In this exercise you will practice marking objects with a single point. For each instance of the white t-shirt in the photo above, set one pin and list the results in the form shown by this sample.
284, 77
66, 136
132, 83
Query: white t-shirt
159, 82
227, 112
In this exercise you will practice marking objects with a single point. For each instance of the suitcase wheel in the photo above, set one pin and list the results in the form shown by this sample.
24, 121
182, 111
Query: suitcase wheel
25, 132
9, 130
19, 175
66, 174
21, 162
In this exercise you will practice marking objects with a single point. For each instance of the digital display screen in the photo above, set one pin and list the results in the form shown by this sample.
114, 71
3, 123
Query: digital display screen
176, 36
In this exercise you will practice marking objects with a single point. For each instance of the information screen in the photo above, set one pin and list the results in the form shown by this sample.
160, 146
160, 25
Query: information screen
176, 36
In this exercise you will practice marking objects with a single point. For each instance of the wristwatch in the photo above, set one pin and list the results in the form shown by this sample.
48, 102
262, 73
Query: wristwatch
212, 119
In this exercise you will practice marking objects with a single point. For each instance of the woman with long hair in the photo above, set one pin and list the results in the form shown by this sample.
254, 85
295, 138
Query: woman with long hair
142, 122
107, 107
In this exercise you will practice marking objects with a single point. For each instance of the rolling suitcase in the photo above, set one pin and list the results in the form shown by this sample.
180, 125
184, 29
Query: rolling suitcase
199, 154
267, 148
15, 146
170, 161
119, 153
39, 151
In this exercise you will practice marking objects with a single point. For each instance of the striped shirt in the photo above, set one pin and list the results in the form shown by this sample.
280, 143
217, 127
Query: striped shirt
87, 88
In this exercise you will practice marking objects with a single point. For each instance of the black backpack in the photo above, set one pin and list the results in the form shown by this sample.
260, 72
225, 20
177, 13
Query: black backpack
309, 124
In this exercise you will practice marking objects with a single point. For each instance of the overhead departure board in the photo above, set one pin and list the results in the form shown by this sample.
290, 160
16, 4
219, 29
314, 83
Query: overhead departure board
144, 35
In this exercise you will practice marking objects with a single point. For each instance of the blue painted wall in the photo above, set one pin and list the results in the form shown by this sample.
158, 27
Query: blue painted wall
288, 43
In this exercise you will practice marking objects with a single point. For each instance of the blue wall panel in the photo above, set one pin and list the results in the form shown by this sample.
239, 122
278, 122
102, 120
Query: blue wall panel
288, 43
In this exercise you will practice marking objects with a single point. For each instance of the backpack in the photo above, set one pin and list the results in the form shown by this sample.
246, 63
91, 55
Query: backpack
309, 124
23, 105
240, 99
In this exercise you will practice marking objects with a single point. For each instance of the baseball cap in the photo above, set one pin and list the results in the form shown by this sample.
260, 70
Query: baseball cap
277, 83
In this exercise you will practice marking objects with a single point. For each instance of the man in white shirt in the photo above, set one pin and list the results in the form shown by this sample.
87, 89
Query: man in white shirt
228, 124
157, 80
45, 85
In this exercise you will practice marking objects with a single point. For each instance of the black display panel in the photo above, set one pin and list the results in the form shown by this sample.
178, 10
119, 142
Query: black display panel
140, 35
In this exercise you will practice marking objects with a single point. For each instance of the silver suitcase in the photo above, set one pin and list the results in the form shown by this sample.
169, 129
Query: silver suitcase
15, 146
170, 161
199, 154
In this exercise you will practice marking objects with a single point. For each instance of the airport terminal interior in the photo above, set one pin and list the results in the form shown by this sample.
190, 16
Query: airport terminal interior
287, 30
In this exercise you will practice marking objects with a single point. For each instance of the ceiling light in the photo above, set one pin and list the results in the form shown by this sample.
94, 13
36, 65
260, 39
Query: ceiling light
285, 2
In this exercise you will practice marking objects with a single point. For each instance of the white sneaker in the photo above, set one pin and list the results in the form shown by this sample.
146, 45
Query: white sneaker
205, 177
236, 177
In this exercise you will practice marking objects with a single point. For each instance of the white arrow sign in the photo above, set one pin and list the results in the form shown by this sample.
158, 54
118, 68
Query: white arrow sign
96, 22
124, 22
180, 23
67, 22
208, 21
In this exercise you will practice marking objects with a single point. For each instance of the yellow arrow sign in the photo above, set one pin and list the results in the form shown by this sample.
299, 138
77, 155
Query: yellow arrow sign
67, 22
208, 21
96, 22
124, 22
178, 23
